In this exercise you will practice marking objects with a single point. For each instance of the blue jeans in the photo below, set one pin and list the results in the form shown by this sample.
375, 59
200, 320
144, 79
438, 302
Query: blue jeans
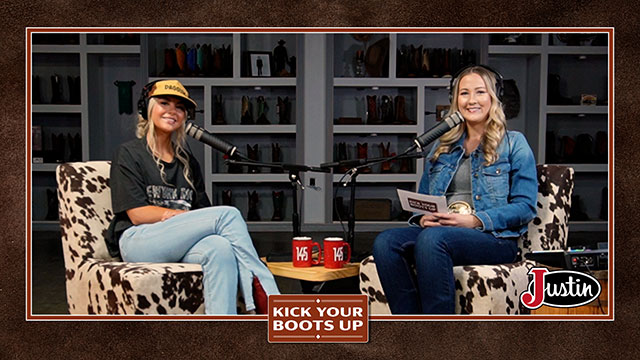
215, 237
434, 252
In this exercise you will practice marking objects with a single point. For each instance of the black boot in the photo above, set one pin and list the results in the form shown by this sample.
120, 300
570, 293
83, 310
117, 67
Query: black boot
52, 205
342, 155
56, 90
226, 197
253, 214
284, 110
386, 109
218, 105
74, 89
278, 204
362, 154
577, 212
262, 111
276, 157
252, 153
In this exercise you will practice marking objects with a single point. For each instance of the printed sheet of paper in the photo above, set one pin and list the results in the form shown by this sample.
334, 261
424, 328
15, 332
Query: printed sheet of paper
422, 204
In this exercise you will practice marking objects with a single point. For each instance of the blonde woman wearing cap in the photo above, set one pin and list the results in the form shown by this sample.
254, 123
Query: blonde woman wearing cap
162, 213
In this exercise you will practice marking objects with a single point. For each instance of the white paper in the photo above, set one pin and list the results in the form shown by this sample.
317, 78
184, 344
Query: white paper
422, 204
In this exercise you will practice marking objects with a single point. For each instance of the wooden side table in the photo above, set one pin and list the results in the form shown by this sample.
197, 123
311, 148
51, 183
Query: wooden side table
591, 308
314, 273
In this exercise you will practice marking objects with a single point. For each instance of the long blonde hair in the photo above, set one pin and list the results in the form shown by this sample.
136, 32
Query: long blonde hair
178, 139
496, 125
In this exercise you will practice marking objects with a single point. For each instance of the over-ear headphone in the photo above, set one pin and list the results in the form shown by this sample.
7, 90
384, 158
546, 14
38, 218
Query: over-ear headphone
143, 102
499, 80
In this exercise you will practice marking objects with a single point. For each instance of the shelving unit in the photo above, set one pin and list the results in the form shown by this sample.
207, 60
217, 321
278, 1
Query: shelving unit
324, 89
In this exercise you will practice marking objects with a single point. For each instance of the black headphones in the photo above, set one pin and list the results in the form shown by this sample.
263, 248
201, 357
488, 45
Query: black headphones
499, 80
143, 102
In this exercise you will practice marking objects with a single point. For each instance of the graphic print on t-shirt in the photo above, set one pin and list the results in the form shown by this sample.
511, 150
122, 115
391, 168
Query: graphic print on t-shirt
170, 197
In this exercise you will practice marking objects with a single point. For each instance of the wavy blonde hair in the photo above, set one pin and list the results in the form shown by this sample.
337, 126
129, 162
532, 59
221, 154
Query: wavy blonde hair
496, 125
178, 139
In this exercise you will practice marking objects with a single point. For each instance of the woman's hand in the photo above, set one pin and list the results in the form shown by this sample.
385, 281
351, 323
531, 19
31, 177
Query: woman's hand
169, 213
445, 219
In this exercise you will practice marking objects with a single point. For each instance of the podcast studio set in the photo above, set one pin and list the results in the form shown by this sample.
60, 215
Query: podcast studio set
311, 135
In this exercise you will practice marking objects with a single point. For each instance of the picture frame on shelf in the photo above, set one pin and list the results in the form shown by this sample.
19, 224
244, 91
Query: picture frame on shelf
260, 63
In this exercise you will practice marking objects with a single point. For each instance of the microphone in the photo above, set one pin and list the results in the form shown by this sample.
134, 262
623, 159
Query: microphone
208, 138
435, 132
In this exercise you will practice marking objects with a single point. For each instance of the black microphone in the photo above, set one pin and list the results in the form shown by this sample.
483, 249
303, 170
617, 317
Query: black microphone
208, 138
435, 132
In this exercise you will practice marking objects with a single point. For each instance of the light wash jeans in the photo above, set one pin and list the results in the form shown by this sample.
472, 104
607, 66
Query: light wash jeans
215, 237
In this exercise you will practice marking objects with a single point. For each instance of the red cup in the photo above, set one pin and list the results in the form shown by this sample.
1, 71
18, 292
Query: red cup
302, 247
334, 253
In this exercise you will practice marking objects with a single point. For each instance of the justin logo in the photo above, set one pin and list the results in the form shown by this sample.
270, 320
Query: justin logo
563, 288
302, 254
337, 254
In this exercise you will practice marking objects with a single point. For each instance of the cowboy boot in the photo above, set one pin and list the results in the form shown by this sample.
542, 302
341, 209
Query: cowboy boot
246, 117
416, 61
284, 110
601, 147
253, 214
52, 205
74, 89
362, 154
217, 61
405, 166
342, 155
401, 115
425, 67
56, 90
226, 197
447, 63
181, 59
218, 105
276, 157
262, 111
568, 149
372, 111
385, 167
252, 153
192, 59
278, 204
386, 109
169, 63
402, 68
375, 58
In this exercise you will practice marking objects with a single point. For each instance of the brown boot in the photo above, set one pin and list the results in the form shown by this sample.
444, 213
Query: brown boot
362, 154
372, 111
401, 115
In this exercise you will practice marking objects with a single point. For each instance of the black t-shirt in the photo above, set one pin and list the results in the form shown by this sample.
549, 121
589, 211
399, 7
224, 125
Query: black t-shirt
135, 181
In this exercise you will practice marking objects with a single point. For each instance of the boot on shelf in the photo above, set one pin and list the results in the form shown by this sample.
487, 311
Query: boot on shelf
74, 148
406, 166
342, 155
284, 110
262, 111
386, 109
200, 59
584, 149
233, 168
252, 154
362, 154
52, 205
192, 58
181, 59
577, 212
372, 111
246, 116
56, 90
601, 147
276, 157
568, 150
58, 148
218, 105
385, 167
554, 97
253, 214
205, 53
226, 197
425, 69
74, 89
278, 205
401, 115
402, 56
169, 68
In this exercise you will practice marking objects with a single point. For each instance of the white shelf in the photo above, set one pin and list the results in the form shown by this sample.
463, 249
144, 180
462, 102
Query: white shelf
382, 178
250, 178
56, 108
113, 49
375, 129
235, 82
577, 50
576, 109
55, 49
253, 129
391, 82
50, 167
515, 49
594, 225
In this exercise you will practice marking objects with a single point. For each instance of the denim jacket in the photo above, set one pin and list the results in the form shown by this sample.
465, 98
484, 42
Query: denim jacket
504, 193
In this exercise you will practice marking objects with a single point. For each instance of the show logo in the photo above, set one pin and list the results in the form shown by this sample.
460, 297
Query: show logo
562, 288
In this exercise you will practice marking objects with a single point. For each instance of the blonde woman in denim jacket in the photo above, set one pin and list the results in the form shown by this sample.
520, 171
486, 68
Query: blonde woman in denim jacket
481, 165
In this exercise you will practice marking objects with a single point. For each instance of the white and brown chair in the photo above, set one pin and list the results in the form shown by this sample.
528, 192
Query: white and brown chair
496, 289
98, 283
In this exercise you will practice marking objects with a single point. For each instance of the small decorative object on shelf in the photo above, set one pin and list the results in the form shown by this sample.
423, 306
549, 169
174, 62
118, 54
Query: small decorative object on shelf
246, 115
125, 96
588, 99
260, 64
262, 111
281, 59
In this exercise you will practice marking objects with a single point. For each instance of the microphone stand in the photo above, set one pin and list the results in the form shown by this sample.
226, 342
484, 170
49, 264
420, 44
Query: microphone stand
353, 173
294, 177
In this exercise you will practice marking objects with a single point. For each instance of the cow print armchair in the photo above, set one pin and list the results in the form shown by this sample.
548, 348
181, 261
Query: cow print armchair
100, 284
495, 289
